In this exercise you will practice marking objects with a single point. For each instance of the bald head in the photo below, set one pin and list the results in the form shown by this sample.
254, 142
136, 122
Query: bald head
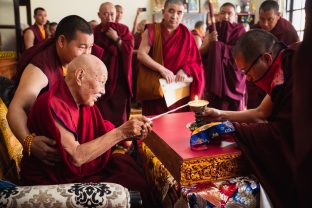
107, 12
86, 78
119, 13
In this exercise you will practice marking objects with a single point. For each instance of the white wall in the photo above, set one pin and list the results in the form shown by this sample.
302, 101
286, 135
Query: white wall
57, 9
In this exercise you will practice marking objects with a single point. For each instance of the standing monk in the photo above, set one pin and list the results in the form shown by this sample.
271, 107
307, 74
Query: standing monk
270, 20
117, 43
225, 85
36, 33
181, 57
265, 134
39, 68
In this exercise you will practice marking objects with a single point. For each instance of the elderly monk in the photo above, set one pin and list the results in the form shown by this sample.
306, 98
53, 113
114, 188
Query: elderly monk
36, 33
117, 42
225, 86
39, 68
302, 69
83, 138
265, 134
270, 20
181, 58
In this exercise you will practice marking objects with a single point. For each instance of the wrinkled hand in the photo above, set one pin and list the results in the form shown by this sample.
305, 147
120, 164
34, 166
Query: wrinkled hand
137, 127
45, 150
180, 76
213, 36
112, 34
168, 75
211, 115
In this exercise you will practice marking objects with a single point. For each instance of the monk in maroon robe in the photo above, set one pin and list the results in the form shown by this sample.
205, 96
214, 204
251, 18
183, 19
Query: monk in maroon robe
36, 33
302, 112
225, 86
199, 32
39, 68
181, 58
83, 138
265, 134
117, 42
270, 20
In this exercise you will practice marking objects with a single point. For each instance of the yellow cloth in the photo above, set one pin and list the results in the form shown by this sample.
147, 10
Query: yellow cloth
42, 31
64, 71
14, 147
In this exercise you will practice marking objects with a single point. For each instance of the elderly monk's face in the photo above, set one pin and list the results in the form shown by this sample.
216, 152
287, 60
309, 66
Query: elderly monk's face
173, 15
107, 13
227, 13
255, 68
119, 14
41, 17
93, 86
81, 44
268, 19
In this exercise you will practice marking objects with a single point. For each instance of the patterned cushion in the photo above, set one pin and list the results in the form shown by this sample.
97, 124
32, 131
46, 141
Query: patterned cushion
66, 195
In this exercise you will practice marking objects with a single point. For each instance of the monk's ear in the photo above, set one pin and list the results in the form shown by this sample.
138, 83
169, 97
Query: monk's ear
61, 41
268, 58
79, 74
99, 15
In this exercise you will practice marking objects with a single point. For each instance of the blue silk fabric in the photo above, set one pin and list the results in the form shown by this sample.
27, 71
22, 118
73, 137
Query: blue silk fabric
204, 134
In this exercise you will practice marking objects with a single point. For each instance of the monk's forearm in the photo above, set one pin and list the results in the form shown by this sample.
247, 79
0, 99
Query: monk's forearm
252, 115
89, 151
17, 119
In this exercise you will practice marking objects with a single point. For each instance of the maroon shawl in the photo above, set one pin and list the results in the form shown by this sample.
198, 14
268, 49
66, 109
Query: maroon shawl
284, 31
269, 146
302, 69
115, 59
180, 52
85, 123
223, 80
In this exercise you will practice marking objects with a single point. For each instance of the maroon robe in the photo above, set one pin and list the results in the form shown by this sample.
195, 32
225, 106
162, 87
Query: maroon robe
302, 69
179, 52
115, 104
225, 86
135, 63
38, 36
44, 56
284, 31
195, 33
85, 123
269, 146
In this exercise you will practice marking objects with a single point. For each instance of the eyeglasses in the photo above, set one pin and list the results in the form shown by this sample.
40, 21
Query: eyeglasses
252, 65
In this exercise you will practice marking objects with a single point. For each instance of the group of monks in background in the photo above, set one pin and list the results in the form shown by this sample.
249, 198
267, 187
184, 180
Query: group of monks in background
246, 76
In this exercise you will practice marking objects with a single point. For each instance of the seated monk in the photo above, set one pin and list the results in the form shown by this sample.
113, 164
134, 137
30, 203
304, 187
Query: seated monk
265, 134
83, 139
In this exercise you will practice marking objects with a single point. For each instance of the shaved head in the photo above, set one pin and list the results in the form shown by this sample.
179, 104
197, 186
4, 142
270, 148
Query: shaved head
86, 78
107, 12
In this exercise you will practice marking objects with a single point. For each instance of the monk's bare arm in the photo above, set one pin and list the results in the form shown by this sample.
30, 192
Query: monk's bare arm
30, 85
198, 41
29, 38
259, 114
145, 59
83, 153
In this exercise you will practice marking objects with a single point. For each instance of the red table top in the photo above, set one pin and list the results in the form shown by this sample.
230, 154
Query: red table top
172, 130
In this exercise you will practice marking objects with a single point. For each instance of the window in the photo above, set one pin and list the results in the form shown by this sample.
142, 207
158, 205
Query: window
295, 13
